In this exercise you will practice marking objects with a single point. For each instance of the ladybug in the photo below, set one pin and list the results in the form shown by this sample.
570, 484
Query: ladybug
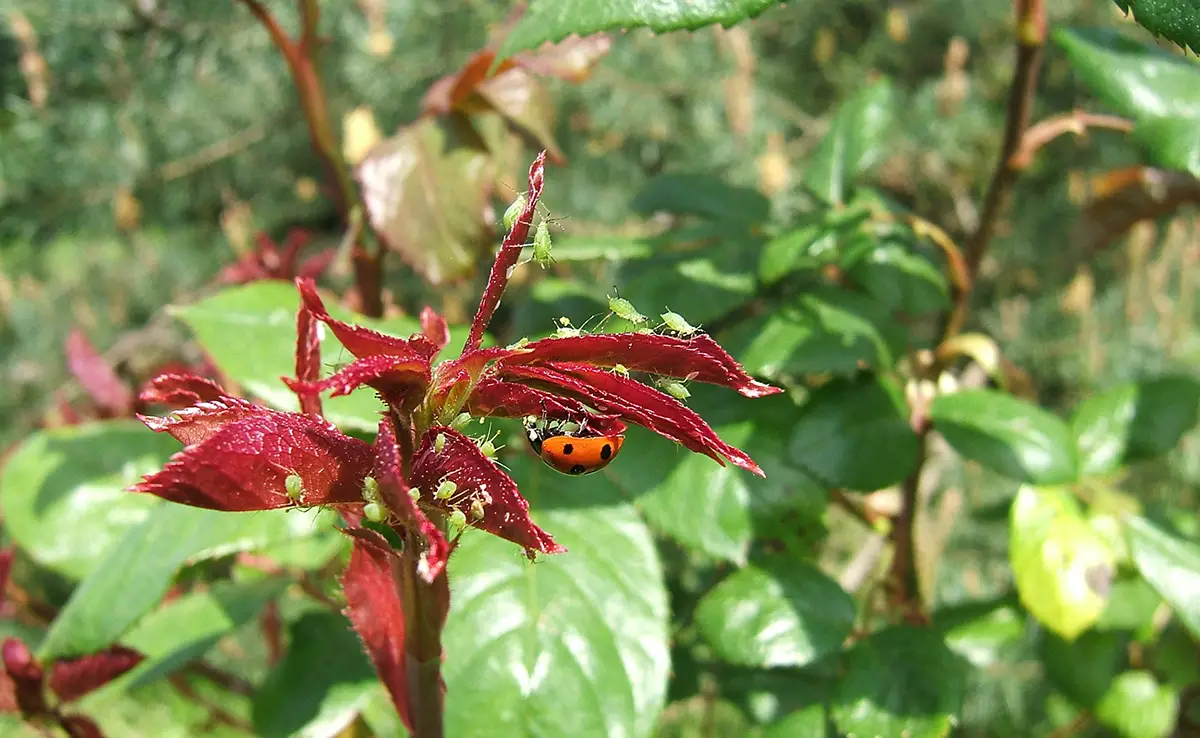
568, 447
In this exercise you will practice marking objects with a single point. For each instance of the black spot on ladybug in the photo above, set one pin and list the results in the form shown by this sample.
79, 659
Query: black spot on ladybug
568, 449
578, 469
605, 451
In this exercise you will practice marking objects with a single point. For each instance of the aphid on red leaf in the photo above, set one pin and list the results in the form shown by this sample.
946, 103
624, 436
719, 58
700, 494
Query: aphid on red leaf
570, 448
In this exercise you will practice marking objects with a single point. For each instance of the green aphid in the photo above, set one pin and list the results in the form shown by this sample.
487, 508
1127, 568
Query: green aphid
625, 310
375, 512
676, 323
458, 520
514, 211
370, 489
445, 490
458, 423
439, 443
621, 370
541, 245
487, 448
476, 510
674, 388
294, 486
414, 494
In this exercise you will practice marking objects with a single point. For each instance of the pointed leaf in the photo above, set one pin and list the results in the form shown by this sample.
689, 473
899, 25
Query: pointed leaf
778, 612
320, 686
857, 137
1173, 142
63, 490
1007, 435
1137, 706
142, 565
1061, 567
1178, 21
71, 679
107, 390
903, 681
1134, 422
1171, 566
854, 433
578, 642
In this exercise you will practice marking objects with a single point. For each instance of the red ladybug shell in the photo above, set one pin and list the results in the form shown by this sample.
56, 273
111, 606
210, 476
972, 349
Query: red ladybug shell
576, 456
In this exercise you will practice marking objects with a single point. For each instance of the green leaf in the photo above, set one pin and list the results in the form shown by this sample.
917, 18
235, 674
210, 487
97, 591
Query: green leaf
600, 247
554, 20
900, 681
1173, 142
1084, 668
574, 644
1178, 21
702, 717
1134, 422
1061, 567
699, 285
320, 686
1007, 435
810, 722
188, 627
776, 612
63, 491
1171, 566
857, 138
899, 277
981, 631
1138, 80
703, 196
1137, 706
854, 433
825, 330
250, 332
803, 247
135, 573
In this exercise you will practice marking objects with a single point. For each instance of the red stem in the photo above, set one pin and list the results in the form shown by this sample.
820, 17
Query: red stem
425, 608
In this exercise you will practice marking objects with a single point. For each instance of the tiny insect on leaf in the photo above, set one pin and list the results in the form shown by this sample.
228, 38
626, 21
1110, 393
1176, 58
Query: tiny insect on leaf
445, 490
515, 210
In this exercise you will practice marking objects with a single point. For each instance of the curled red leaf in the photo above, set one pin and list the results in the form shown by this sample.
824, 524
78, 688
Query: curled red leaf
80, 726
110, 393
71, 679
479, 484
374, 609
25, 674
363, 342
395, 493
180, 390
192, 425
434, 327
496, 397
243, 464
400, 379
308, 358
699, 358
637, 403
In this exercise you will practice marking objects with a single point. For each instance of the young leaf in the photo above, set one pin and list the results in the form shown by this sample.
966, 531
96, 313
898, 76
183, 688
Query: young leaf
554, 20
1178, 21
1061, 567
63, 490
900, 681
854, 433
778, 612
1008, 435
856, 139
1171, 566
1137, 706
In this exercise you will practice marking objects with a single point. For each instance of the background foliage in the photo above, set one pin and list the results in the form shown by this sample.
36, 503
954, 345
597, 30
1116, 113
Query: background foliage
762, 180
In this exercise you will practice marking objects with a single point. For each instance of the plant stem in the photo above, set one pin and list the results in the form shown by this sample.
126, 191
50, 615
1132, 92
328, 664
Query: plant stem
425, 607
300, 56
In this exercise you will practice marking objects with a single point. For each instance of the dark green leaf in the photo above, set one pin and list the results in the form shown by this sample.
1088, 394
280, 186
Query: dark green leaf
322, 683
187, 628
600, 248
1171, 566
702, 717
811, 722
136, 572
799, 248
1062, 568
1178, 21
1131, 606
704, 196
856, 139
1082, 669
1138, 80
900, 681
699, 287
854, 433
1134, 422
1137, 706
1173, 142
63, 490
576, 641
1008, 435
776, 612
902, 279
554, 20
981, 631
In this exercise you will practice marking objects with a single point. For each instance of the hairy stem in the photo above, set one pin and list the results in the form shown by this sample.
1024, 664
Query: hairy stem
425, 607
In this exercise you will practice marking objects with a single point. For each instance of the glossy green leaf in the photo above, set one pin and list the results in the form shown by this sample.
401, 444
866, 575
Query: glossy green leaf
1171, 566
321, 685
1134, 422
902, 279
1131, 607
854, 433
1174, 143
1061, 567
1178, 21
698, 286
573, 644
981, 631
803, 247
186, 628
856, 140
1137, 80
600, 248
825, 330
902, 681
1137, 706
142, 565
776, 612
250, 332
810, 722
1008, 435
554, 20
1084, 668
704, 196
63, 491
